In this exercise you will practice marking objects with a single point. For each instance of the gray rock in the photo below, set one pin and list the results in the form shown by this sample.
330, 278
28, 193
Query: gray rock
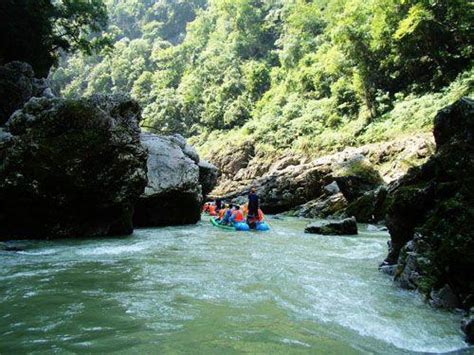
323, 207
332, 188
467, 327
71, 168
408, 276
444, 298
347, 226
389, 269
208, 174
355, 186
188, 150
169, 168
370, 207
176, 181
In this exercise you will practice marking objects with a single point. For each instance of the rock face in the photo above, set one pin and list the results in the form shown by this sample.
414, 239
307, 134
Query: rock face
289, 181
17, 86
347, 226
208, 175
176, 180
430, 214
71, 168
323, 207
468, 329
370, 207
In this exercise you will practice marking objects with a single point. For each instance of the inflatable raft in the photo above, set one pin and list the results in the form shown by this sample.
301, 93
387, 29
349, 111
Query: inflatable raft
241, 226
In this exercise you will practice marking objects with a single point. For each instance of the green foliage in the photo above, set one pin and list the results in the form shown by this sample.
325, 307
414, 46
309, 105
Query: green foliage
306, 75
35, 31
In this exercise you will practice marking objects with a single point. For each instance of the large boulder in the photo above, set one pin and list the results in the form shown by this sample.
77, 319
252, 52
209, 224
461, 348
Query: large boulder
176, 179
360, 178
347, 226
435, 203
208, 175
71, 168
17, 86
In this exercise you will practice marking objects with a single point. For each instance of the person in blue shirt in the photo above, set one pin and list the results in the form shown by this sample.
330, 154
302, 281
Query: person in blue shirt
226, 218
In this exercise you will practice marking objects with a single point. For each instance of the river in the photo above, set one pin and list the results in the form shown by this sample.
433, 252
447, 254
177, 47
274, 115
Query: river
200, 289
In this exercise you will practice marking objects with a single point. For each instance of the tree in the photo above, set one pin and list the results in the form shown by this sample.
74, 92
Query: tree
35, 31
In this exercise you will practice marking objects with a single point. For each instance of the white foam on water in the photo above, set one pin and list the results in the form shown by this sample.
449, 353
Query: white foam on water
295, 342
111, 250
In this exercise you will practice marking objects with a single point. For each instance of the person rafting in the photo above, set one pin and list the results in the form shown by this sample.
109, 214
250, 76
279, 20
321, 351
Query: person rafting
252, 221
222, 212
218, 205
212, 210
227, 213
237, 215
253, 205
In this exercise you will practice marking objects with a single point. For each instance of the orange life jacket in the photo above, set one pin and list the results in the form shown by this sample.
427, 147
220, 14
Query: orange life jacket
260, 215
212, 210
239, 217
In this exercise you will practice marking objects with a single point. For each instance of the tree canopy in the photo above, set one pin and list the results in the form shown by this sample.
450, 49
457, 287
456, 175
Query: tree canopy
277, 70
34, 31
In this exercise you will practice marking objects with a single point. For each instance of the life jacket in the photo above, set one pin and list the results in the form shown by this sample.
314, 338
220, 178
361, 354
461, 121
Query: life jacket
238, 216
260, 215
212, 210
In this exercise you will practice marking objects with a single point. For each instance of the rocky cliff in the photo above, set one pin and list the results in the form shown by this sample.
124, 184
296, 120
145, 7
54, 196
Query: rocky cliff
431, 212
352, 182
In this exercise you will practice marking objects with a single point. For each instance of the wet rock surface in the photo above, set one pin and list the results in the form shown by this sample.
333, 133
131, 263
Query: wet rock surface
467, 327
346, 226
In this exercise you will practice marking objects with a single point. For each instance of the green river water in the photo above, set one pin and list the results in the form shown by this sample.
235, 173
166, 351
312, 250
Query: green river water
203, 290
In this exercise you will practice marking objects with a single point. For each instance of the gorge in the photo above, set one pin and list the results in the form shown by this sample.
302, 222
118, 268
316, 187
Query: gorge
354, 121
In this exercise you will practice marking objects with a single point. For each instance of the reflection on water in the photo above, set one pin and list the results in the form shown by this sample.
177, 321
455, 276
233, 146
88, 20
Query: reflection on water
202, 289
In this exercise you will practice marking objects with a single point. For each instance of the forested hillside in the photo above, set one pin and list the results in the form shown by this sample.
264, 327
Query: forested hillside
312, 76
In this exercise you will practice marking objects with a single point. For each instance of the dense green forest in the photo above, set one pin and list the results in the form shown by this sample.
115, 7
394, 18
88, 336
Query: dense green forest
307, 75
